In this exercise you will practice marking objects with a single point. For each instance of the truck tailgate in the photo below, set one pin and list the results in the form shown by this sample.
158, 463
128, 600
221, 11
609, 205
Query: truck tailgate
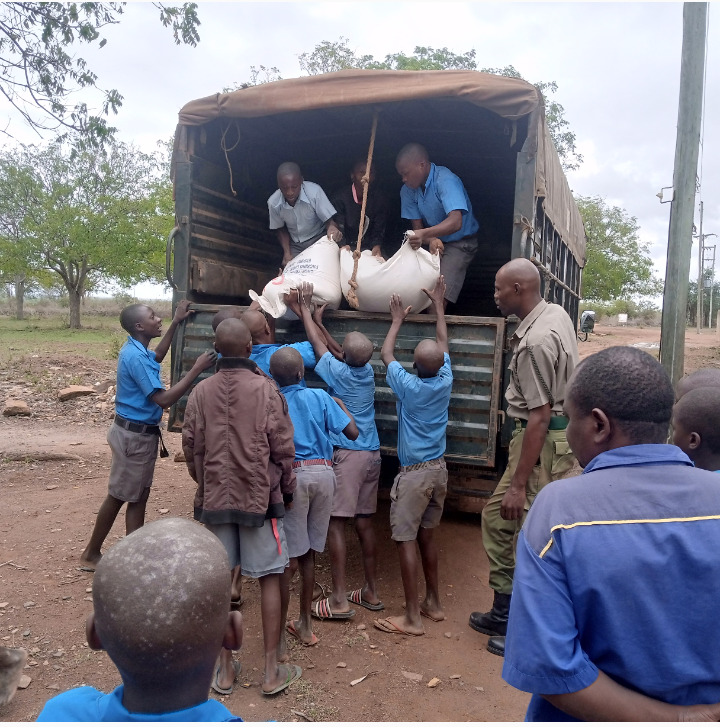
476, 347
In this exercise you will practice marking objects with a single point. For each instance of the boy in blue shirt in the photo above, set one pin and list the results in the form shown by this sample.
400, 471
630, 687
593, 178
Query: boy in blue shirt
418, 492
440, 213
161, 599
617, 579
356, 463
134, 434
315, 414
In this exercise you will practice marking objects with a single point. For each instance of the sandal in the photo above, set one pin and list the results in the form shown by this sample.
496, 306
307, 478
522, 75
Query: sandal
356, 598
321, 609
237, 667
294, 673
290, 626
383, 624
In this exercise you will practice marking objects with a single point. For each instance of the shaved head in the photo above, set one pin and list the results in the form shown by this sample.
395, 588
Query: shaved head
131, 315
256, 324
358, 349
223, 314
289, 169
286, 366
161, 597
429, 358
517, 288
699, 411
413, 153
698, 379
232, 339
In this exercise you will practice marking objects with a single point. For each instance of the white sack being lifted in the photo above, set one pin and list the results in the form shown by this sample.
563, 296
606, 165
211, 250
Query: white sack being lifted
406, 273
319, 265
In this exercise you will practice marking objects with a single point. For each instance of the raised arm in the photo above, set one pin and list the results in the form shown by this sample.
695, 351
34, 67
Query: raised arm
167, 397
398, 313
333, 346
181, 314
437, 296
314, 334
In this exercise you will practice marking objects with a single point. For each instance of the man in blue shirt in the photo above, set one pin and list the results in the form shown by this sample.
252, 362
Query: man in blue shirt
439, 209
315, 416
134, 434
418, 492
613, 615
356, 463
300, 212
161, 600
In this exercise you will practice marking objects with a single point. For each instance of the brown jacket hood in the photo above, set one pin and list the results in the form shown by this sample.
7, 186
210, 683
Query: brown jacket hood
238, 443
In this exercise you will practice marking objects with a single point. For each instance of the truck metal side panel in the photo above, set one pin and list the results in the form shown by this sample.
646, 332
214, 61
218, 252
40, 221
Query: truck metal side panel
476, 355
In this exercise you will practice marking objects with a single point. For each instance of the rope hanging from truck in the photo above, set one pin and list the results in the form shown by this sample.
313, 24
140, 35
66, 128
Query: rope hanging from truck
351, 296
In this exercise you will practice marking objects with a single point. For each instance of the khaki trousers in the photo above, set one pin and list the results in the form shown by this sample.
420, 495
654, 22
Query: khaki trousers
500, 536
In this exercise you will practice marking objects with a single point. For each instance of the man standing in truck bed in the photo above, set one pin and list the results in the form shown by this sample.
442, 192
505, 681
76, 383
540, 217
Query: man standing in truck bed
438, 207
545, 354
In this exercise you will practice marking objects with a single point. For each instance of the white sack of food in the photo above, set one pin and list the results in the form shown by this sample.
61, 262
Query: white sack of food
406, 273
319, 265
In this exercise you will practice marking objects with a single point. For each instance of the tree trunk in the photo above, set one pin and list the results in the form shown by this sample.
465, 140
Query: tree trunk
19, 296
74, 298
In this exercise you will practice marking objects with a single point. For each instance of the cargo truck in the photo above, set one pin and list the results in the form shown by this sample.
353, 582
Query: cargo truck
490, 130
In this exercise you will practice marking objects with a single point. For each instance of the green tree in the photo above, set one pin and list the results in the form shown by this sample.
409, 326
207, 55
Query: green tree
618, 263
98, 216
40, 78
330, 56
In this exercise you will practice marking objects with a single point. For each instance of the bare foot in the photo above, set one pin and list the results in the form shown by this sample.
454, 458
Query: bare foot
273, 681
226, 677
339, 603
318, 592
370, 596
404, 624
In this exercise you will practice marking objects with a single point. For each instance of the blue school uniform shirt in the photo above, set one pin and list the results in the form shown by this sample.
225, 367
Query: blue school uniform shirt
86, 704
422, 412
138, 378
262, 352
355, 387
618, 570
444, 192
314, 416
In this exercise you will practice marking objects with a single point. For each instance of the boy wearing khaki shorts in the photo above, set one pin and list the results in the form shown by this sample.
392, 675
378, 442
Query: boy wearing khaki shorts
418, 493
134, 434
356, 464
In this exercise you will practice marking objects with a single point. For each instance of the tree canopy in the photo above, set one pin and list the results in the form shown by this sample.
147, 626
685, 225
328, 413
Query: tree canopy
618, 262
91, 217
40, 78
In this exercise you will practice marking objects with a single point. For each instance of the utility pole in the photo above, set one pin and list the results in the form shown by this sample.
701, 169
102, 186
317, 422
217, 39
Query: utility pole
701, 270
677, 274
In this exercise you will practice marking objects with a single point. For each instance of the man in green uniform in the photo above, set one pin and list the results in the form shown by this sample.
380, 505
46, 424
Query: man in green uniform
545, 354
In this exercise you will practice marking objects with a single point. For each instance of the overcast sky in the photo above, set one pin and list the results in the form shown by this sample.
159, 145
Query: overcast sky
617, 67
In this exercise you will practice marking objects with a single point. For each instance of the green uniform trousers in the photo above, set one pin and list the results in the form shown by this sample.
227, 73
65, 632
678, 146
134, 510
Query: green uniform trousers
500, 536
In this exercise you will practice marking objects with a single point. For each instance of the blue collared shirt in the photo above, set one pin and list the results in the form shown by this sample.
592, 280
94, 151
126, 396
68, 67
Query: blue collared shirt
314, 416
444, 193
422, 412
618, 570
307, 218
86, 704
138, 378
355, 387
262, 353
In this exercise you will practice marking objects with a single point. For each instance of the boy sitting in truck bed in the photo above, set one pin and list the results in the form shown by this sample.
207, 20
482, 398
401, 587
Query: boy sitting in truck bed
300, 212
418, 493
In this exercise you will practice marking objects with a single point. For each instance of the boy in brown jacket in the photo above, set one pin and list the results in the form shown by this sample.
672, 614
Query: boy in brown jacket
238, 444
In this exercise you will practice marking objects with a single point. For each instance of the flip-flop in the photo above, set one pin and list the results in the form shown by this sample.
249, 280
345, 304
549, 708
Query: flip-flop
423, 612
383, 624
294, 673
290, 626
321, 609
237, 667
356, 598
324, 590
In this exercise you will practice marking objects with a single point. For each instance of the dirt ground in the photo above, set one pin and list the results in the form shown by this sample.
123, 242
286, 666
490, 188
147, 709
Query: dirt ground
48, 508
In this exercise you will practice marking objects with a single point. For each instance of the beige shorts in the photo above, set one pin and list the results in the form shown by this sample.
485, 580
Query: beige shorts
133, 463
416, 501
357, 473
